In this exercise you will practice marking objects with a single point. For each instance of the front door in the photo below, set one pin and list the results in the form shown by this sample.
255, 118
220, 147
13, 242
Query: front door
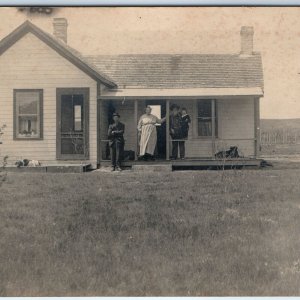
159, 109
72, 123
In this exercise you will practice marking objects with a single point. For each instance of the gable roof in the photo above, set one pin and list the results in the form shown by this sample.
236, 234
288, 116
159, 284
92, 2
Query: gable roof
182, 71
60, 47
155, 71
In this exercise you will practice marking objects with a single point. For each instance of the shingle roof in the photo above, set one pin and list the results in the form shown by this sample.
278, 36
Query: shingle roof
182, 71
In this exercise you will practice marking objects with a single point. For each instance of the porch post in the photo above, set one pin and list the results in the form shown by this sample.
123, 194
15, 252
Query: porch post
256, 127
167, 129
135, 128
213, 127
99, 134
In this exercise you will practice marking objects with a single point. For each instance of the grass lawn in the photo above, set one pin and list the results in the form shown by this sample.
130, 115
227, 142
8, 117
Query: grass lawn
180, 233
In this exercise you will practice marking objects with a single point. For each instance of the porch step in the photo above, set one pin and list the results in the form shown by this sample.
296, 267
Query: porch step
152, 168
58, 168
40, 169
71, 168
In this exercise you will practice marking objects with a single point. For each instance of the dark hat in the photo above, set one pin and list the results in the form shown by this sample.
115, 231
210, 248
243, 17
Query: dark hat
115, 114
173, 106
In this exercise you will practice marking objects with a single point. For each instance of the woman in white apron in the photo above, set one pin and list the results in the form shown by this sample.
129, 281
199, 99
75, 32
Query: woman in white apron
147, 133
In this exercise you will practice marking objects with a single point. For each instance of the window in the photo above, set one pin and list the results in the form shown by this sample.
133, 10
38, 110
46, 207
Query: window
205, 118
28, 114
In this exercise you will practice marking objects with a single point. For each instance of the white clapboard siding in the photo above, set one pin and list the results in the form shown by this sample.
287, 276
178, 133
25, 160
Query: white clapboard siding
31, 64
236, 124
236, 118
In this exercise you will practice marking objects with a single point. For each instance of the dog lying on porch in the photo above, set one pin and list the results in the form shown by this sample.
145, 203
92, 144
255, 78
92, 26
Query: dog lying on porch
27, 163
233, 152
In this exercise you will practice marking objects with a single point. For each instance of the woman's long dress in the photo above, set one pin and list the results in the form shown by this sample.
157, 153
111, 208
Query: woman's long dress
148, 139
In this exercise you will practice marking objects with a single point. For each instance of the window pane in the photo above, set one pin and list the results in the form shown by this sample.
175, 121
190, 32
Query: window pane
204, 128
66, 113
77, 117
204, 118
204, 109
28, 126
27, 102
72, 145
71, 113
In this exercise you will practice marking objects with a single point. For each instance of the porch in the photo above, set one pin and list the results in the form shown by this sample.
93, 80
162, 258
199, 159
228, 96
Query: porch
217, 123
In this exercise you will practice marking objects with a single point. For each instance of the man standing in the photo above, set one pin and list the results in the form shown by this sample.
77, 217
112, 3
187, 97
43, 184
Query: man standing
176, 133
116, 142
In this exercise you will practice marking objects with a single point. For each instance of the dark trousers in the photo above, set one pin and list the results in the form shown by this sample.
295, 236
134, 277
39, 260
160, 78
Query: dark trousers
116, 150
175, 145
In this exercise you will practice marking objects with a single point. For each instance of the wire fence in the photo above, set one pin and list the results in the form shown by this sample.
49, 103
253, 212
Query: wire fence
280, 136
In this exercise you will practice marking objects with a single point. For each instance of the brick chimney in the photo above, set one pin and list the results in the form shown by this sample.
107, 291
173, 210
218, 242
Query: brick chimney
60, 26
247, 33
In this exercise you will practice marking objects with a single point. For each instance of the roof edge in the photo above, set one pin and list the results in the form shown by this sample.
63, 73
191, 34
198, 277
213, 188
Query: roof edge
183, 93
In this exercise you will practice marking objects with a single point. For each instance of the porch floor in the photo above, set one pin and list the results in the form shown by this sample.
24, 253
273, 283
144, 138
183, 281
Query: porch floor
194, 163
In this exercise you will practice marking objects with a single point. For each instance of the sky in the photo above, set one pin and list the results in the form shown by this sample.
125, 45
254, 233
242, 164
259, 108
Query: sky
178, 30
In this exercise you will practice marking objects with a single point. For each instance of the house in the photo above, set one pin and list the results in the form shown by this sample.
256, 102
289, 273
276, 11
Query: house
57, 103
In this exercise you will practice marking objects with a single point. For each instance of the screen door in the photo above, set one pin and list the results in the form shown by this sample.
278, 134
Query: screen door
72, 124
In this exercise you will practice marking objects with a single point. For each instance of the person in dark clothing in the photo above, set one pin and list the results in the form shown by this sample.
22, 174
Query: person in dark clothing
116, 142
176, 133
186, 120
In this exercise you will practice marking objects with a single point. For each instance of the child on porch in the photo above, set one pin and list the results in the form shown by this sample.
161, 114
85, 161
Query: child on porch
185, 123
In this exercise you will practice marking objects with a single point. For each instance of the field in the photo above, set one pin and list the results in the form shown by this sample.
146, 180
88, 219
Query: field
270, 124
280, 137
278, 150
181, 233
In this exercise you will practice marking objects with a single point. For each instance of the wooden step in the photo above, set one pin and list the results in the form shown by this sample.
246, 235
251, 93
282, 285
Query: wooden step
52, 168
71, 168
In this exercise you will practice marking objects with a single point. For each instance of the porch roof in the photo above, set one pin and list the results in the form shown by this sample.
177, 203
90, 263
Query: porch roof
180, 93
184, 71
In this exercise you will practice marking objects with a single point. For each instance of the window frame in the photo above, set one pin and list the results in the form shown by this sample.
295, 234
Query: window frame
41, 115
213, 119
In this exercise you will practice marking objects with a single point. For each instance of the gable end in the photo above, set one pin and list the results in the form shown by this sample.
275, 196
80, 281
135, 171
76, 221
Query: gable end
28, 27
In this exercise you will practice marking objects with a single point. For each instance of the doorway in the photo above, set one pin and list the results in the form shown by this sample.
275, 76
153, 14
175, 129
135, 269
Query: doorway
159, 110
72, 123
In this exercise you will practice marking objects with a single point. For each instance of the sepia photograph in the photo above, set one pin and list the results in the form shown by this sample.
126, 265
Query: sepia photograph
149, 151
